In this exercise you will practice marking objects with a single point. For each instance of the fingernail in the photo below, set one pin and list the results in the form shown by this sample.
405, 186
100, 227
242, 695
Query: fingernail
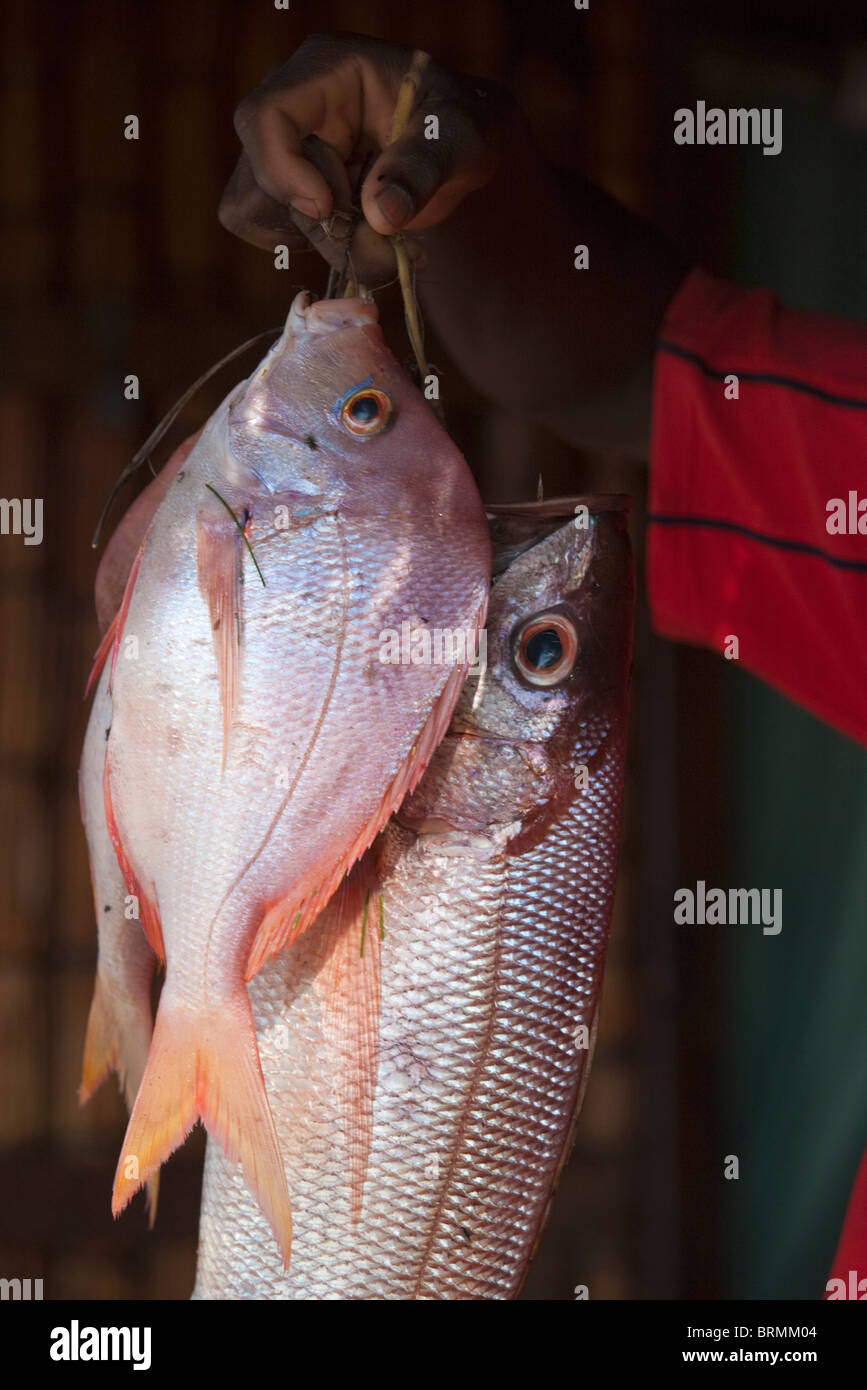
395, 204
308, 206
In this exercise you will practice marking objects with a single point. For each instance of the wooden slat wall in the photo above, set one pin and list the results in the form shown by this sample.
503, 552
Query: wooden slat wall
112, 261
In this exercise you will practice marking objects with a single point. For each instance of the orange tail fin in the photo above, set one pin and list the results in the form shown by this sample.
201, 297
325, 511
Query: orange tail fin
206, 1066
118, 1041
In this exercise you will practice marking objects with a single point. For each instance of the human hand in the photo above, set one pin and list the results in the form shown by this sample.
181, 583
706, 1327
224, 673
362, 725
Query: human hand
321, 122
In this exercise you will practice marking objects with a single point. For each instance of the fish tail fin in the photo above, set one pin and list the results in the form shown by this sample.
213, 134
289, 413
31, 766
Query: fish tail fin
112, 1044
206, 1066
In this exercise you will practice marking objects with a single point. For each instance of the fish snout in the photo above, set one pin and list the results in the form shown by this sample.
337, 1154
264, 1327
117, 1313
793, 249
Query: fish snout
329, 315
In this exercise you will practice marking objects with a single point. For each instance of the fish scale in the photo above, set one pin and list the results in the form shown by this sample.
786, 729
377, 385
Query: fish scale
241, 781
496, 925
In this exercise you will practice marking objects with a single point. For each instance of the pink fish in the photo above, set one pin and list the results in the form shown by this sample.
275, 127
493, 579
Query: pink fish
259, 741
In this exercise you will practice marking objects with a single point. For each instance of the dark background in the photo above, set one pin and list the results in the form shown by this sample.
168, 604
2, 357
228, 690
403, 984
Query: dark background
713, 1041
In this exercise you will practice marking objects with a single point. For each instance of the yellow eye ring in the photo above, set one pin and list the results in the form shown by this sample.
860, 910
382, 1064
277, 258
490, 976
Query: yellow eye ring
545, 649
367, 411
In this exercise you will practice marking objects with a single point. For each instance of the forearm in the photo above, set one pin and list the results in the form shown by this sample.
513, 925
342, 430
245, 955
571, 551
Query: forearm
533, 333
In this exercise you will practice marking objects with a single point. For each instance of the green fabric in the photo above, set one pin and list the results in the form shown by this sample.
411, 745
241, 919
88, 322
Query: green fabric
796, 1093
794, 1070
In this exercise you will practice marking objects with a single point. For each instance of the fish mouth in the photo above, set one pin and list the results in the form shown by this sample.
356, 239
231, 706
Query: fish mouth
517, 527
309, 315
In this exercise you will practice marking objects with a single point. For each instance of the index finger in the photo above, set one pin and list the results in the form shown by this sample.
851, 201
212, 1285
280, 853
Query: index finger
272, 138
339, 87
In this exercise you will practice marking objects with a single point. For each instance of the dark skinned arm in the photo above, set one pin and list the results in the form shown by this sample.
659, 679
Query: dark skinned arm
497, 227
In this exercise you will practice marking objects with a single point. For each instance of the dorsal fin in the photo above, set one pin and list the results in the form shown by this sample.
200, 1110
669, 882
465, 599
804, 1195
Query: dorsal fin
123, 613
102, 651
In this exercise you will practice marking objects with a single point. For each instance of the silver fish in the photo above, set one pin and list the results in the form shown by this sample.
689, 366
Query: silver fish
427, 1043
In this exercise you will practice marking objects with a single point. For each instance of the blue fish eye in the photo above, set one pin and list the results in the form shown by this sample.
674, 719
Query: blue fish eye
365, 411
364, 408
544, 649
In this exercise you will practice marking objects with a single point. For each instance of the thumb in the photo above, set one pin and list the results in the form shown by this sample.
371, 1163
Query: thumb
419, 180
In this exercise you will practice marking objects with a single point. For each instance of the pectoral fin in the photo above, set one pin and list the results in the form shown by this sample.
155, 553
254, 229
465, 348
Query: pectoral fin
219, 563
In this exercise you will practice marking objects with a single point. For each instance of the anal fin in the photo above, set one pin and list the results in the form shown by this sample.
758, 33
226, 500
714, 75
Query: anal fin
349, 986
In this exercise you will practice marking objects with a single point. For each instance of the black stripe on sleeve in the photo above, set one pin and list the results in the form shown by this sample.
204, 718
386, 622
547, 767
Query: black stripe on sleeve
778, 542
762, 378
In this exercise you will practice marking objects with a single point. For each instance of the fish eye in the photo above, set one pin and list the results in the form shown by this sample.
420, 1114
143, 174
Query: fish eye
545, 648
366, 412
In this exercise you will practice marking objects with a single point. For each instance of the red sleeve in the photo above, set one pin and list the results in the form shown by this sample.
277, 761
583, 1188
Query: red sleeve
740, 481
850, 1263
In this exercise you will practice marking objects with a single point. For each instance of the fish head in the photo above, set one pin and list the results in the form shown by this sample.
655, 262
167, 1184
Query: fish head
330, 410
551, 693
327, 420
